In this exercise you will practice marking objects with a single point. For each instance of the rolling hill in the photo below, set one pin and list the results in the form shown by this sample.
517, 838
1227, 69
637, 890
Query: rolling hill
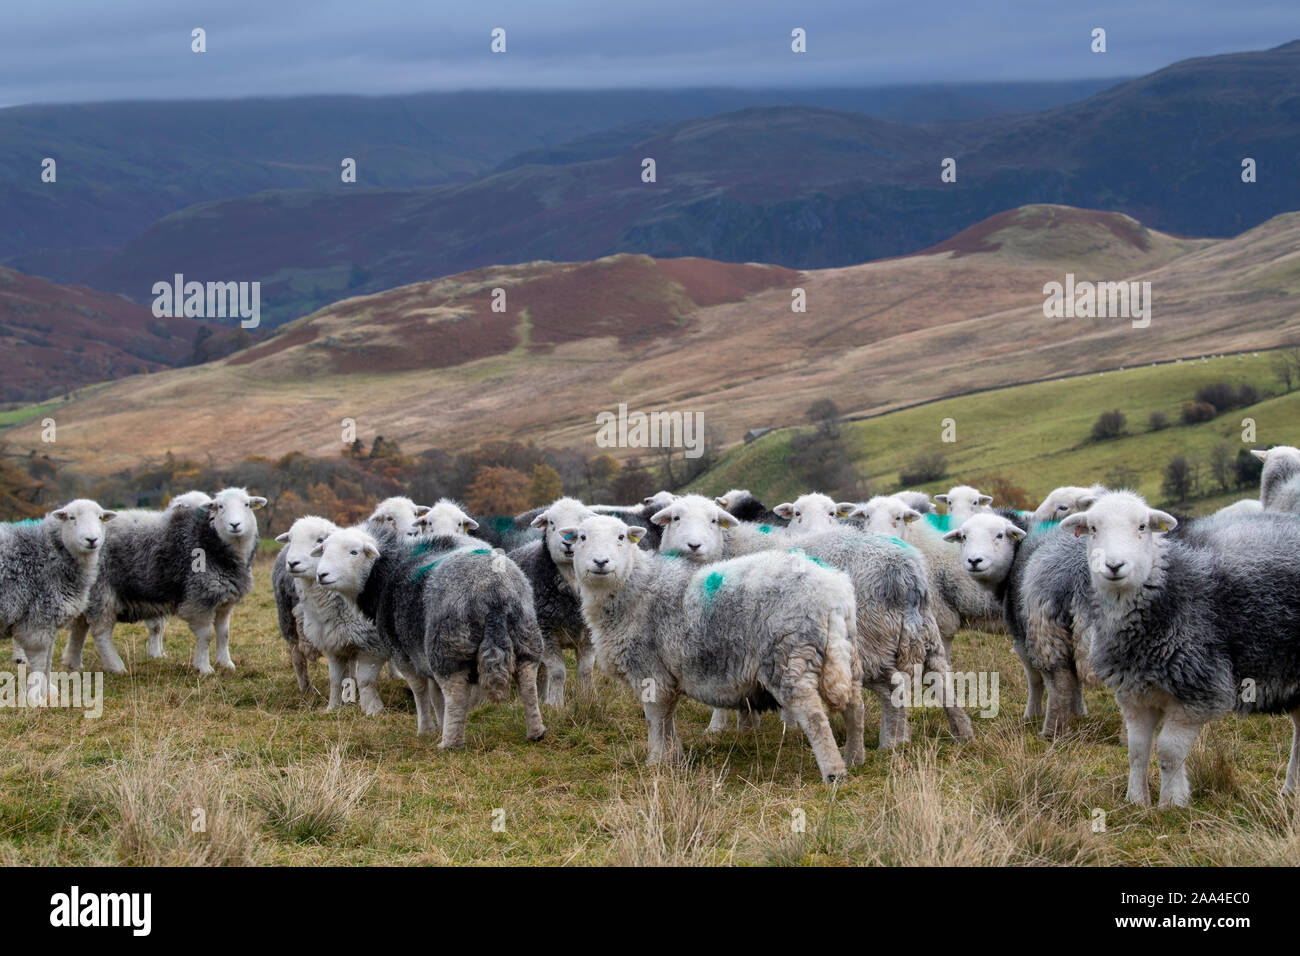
801, 186
432, 365
55, 338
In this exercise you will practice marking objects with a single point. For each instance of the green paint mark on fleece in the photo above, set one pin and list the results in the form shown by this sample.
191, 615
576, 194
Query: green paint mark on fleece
25, 523
765, 529
712, 584
424, 569
481, 551
1042, 527
900, 542
939, 522
804, 554
503, 524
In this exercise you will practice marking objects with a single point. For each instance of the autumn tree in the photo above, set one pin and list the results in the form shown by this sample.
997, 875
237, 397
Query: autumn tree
497, 490
545, 486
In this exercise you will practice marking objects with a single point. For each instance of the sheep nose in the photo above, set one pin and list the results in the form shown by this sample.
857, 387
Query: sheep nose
693, 545
91, 542
974, 563
1114, 566
235, 526
600, 562
294, 565
321, 576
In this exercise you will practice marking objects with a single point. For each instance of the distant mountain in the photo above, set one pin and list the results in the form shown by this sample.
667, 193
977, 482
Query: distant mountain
57, 338
121, 166
800, 186
431, 365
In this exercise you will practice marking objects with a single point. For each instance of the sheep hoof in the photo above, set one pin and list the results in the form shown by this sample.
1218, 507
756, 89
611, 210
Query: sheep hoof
227, 665
539, 735
204, 669
155, 655
453, 745
371, 708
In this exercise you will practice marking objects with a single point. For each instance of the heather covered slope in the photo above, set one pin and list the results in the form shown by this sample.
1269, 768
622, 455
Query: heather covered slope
431, 365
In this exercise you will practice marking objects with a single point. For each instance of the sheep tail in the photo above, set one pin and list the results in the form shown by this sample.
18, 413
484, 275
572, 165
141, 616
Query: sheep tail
496, 658
837, 679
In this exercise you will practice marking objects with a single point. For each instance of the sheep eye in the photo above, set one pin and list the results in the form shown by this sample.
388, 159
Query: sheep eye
620, 537
354, 552
999, 536
319, 540
1063, 508
582, 537
796, 514
677, 517
1141, 528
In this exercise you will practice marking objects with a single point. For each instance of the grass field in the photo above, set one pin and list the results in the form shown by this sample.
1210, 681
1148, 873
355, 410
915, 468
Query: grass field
1036, 435
279, 781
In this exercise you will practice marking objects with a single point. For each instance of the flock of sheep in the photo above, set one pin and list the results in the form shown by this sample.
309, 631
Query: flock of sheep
745, 609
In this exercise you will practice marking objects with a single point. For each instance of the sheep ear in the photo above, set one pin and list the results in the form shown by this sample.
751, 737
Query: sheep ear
1078, 523
1086, 502
955, 535
720, 502
422, 510
942, 499
857, 511
108, 516
1261, 455
369, 550
318, 551
1162, 520
635, 534
663, 516
256, 502
61, 514
471, 524
784, 510
283, 538
568, 535
985, 499
1017, 533
648, 500
845, 509
726, 520
910, 515
539, 521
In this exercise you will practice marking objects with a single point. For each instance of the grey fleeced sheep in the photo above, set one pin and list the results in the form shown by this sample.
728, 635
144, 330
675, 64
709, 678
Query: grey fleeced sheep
548, 565
1188, 630
446, 609
1279, 482
896, 628
742, 504
768, 630
1040, 576
195, 563
47, 571
957, 600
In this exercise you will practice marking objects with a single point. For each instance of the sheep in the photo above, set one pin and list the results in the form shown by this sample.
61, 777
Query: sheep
47, 570
548, 565
448, 611
1279, 482
810, 513
895, 626
328, 622
743, 505
964, 501
1065, 501
293, 560
1186, 634
395, 515
196, 563
767, 630
957, 600
918, 501
1040, 577
448, 517
1246, 506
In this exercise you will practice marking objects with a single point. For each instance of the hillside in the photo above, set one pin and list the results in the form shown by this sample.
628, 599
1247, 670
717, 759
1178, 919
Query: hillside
832, 188
431, 365
998, 434
54, 338
123, 166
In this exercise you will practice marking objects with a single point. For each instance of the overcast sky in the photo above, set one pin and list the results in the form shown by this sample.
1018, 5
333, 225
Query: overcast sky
76, 50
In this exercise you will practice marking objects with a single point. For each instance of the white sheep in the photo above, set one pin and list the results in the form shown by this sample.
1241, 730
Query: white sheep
962, 501
47, 570
1065, 501
1279, 482
768, 630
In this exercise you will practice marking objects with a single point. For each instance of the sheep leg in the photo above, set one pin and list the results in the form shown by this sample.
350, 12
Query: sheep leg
1176, 738
1078, 706
526, 678
586, 654
76, 643
810, 715
108, 656
455, 690
1037, 687
368, 669
1140, 721
959, 724
1293, 765
202, 628
1060, 703
855, 720
894, 726
552, 687
221, 621
665, 746
38, 649
300, 672
719, 721
437, 700
422, 692
338, 668
156, 627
